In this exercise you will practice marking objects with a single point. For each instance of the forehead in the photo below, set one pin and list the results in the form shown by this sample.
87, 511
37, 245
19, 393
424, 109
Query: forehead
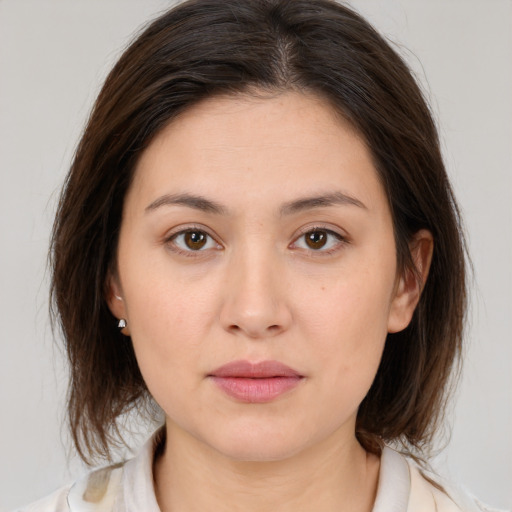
290, 144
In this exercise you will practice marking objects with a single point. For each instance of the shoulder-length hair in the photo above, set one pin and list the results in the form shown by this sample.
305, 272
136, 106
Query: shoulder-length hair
203, 48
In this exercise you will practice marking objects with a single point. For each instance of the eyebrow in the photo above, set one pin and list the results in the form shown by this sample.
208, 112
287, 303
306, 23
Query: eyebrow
299, 205
192, 201
320, 201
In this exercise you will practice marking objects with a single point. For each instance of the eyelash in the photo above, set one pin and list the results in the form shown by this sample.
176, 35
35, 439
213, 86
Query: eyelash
341, 241
170, 241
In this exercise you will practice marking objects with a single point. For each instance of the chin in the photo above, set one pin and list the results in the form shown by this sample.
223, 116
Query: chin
259, 443
258, 452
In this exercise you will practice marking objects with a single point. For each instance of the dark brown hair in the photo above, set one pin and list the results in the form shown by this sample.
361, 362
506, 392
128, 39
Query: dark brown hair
203, 48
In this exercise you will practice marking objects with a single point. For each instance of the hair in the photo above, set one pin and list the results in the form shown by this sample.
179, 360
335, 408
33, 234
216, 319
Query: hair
203, 48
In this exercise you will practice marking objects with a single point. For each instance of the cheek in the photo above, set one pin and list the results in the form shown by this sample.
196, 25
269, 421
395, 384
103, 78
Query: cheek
347, 317
170, 315
347, 356
165, 299
168, 342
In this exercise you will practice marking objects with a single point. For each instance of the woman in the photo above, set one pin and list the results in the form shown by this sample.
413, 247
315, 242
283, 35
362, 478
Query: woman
258, 235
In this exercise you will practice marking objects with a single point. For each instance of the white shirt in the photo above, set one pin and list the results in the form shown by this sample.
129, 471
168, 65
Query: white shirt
129, 487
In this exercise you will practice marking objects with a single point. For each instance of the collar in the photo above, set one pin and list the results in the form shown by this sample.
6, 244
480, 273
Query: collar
130, 487
393, 490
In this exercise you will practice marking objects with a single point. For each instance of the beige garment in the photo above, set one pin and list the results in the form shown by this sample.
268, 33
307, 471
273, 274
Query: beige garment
129, 488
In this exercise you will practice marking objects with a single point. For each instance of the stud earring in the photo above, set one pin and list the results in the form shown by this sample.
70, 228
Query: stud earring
123, 327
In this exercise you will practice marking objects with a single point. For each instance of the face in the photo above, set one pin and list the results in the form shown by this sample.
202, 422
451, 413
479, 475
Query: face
257, 273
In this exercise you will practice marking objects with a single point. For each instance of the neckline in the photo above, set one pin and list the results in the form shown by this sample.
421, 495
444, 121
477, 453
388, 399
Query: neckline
393, 488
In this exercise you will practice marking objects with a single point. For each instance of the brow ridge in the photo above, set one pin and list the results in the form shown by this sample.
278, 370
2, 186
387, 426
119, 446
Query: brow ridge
320, 201
201, 203
192, 201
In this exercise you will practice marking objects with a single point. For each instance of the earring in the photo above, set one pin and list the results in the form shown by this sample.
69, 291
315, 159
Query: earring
123, 327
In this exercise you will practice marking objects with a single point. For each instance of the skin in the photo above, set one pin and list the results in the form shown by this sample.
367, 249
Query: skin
257, 291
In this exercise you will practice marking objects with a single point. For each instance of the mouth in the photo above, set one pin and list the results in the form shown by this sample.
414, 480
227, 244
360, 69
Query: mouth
255, 382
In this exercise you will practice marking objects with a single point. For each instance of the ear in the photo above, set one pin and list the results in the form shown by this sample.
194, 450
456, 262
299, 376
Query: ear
115, 300
410, 285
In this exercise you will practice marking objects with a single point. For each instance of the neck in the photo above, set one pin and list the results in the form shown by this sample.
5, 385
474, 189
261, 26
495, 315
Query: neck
193, 477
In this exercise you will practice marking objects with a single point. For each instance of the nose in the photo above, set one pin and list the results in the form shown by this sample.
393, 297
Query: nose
255, 302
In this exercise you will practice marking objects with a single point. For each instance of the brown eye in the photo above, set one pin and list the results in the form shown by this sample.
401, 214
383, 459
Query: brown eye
315, 239
195, 240
320, 240
192, 240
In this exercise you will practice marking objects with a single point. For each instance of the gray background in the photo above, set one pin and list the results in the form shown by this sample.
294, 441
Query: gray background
53, 58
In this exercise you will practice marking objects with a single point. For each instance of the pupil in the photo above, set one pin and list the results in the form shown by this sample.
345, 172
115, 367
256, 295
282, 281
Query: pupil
195, 239
316, 239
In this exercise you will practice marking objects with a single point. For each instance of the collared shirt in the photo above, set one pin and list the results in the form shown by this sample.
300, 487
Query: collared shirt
128, 487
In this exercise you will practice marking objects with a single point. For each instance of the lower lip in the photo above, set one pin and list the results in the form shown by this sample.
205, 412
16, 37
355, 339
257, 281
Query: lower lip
256, 391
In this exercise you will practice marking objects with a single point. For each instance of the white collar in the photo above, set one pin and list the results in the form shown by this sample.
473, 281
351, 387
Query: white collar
138, 486
394, 483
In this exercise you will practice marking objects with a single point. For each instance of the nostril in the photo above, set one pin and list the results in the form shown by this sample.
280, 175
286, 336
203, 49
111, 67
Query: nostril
271, 330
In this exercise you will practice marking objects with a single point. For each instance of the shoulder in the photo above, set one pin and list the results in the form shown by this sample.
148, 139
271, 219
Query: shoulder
118, 488
431, 493
97, 491
406, 487
55, 502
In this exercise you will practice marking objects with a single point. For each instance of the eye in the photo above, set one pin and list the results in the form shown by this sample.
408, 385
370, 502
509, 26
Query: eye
319, 240
192, 240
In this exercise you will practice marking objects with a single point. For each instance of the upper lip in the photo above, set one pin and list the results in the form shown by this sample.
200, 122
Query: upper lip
250, 370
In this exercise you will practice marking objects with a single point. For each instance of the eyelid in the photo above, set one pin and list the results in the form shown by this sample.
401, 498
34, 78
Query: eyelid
320, 226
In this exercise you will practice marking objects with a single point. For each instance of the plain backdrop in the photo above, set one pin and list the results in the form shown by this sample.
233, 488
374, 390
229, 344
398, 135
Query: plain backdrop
54, 55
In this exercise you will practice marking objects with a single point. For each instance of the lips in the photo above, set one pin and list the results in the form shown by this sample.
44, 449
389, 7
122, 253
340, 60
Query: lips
255, 382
